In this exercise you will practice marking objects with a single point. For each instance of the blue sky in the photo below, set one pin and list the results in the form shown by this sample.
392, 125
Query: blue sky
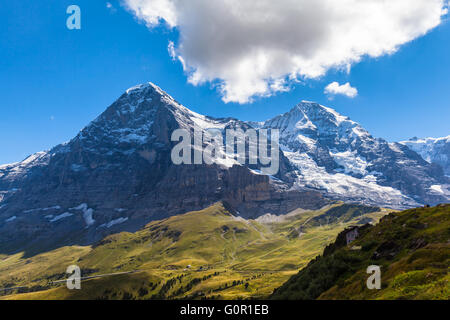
54, 81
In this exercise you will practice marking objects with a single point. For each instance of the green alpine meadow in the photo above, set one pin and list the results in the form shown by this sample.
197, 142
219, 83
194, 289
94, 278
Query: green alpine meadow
207, 254
411, 247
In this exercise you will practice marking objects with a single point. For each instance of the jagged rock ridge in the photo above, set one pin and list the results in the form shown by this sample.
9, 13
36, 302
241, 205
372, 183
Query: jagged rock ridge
117, 174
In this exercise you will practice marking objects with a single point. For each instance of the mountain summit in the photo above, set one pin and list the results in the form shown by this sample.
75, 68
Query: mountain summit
433, 150
335, 154
117, 174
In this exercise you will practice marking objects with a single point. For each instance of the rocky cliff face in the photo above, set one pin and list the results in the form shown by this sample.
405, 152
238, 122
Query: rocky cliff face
335, 154
433, 150
117, 173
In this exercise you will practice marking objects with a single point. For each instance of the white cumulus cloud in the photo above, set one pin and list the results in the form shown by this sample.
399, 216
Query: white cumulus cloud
256, 48
171, 50
335, 88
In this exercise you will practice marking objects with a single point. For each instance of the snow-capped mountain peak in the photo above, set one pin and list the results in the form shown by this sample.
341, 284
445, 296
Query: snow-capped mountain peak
433, 150
143, 86
123, 160
334, 153
310, 124
315, 109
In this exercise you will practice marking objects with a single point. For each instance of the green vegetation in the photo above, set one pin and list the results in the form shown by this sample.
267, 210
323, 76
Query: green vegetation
209, 254
411, 247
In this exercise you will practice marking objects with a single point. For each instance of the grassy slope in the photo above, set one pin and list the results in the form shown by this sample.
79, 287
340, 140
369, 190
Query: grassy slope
231, 257
411, 247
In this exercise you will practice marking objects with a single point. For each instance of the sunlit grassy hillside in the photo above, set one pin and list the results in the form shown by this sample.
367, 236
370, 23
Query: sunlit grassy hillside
412, 248
206, 254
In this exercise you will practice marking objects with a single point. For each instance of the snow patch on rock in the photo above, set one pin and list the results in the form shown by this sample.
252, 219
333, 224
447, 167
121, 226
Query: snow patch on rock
113, 223
341, 186
61, 216
11, 219
42, 209
87, 214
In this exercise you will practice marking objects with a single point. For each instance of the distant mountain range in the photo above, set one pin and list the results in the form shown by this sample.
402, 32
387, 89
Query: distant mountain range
433, 150
117, 174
